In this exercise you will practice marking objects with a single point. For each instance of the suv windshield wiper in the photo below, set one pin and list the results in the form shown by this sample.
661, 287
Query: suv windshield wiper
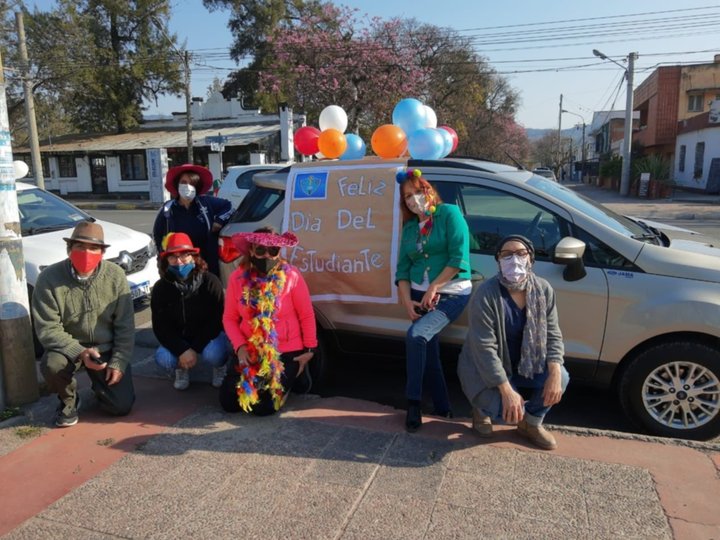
47, 228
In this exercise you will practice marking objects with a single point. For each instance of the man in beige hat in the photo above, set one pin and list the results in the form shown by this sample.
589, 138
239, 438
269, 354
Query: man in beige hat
83, 316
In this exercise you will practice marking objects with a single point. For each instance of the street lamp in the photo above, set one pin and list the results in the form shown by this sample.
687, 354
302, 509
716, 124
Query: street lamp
185, 58
582, 151
627, 142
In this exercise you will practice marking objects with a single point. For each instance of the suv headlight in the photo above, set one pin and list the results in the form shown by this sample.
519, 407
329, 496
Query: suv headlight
152, 250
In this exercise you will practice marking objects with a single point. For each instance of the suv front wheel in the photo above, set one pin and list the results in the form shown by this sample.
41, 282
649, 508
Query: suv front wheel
673, 390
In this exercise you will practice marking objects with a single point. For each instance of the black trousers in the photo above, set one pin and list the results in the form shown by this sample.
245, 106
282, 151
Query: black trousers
228, 392
59, 373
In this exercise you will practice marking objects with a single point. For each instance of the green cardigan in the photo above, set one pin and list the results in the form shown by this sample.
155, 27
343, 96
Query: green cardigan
70, 315
447, 245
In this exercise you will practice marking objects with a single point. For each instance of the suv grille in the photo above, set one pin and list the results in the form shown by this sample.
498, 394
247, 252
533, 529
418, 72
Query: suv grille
132, 262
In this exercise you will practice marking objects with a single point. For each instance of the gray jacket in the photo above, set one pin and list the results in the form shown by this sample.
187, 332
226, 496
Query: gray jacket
484, 361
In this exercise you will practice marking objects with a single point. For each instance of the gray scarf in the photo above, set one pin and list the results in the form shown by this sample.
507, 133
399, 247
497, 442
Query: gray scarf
534, 343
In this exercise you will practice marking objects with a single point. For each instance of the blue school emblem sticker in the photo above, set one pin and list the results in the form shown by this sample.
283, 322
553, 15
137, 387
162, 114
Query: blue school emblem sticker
310, 186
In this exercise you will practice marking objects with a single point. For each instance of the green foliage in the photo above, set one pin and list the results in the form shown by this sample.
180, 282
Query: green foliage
611, 168
9, 412
658, 166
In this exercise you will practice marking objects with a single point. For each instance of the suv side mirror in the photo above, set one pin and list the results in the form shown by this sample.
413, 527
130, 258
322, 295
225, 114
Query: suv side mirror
569, 251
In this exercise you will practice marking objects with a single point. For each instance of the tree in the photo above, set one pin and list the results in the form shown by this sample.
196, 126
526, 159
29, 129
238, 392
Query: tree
327, 60
250, 22
113, 57
545, 150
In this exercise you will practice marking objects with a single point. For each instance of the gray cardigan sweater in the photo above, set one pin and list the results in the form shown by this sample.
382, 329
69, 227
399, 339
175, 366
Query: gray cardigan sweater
70, 315
484, 361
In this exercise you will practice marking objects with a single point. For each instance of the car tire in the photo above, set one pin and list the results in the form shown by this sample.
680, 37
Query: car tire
673, 390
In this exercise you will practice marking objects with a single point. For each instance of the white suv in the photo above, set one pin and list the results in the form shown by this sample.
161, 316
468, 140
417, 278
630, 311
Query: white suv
238, 181
639, 304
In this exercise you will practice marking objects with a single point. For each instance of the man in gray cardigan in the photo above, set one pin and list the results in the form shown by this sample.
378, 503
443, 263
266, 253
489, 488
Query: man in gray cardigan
83, 316
513, 342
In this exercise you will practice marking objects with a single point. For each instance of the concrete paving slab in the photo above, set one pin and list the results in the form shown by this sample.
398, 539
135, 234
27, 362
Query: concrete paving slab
380, 516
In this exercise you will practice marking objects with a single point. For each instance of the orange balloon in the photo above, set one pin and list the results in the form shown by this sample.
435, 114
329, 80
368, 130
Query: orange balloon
389, 141
332, 143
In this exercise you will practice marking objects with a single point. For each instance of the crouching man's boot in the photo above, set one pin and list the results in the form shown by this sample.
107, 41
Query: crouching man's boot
537, 435
481, 423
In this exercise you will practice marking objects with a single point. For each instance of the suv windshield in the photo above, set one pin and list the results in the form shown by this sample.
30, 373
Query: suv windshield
604, 215
41, 211
257, 204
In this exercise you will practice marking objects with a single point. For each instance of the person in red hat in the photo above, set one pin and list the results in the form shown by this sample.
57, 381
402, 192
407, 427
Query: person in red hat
193, 212
187, 307
270, 322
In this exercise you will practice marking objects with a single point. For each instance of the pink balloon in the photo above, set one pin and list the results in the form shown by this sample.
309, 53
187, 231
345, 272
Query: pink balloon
453, 134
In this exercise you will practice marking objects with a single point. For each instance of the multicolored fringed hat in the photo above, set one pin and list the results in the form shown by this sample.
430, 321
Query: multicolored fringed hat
407, 174
242, 241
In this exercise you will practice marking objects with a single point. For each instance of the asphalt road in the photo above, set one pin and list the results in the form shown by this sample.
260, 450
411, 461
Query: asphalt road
382, 379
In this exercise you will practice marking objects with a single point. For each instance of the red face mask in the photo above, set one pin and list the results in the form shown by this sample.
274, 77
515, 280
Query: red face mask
85, 261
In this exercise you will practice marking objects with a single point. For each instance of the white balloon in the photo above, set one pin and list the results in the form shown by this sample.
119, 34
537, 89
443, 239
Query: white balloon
21, 169
430, 117
320, 155
333, 117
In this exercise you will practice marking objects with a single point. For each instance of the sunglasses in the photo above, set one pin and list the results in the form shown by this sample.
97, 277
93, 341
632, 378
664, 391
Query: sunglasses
272, 251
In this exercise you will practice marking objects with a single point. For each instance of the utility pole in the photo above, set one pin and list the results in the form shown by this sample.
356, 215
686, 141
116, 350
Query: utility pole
583, 154
29, 103
627, 141
18, 380
188, 108
559, 151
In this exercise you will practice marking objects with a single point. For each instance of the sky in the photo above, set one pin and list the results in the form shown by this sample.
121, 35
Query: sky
543, 47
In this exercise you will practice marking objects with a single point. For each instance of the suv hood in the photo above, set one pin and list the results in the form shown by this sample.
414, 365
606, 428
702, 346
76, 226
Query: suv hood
690, 255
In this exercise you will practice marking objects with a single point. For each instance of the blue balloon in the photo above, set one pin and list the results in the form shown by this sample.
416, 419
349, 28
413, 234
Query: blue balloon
447, 140
426, 143
409, 114
355, 147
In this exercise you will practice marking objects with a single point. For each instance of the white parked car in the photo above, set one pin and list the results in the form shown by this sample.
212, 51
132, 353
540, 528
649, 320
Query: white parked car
238, 181
46, 219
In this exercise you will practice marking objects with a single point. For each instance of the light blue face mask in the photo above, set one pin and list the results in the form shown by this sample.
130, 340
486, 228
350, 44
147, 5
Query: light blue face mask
182, 270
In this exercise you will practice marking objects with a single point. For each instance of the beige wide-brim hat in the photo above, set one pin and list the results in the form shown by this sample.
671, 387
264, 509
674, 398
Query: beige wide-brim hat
88, 233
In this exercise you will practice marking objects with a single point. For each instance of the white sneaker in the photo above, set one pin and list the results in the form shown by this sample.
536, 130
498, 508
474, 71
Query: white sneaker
182, 379
218, 376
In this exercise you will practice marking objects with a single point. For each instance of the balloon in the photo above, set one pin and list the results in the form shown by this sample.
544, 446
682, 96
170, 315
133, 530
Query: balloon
426, 143
447, 141
430, 117
332, 143
389, 141
355, 147
306, 140
409, 114
333, 117
453, 134
21, 169
320, 155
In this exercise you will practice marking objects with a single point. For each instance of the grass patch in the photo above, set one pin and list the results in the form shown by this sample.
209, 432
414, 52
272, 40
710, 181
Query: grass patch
106, 442
9, 412
28, 432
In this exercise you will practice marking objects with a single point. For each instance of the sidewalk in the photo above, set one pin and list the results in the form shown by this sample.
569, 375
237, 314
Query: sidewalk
337, 468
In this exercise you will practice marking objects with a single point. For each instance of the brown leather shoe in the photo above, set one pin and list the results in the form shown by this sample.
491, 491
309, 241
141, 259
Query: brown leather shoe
537, 435
481, 423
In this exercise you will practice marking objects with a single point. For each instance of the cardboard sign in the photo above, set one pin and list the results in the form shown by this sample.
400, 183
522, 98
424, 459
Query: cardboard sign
347, 219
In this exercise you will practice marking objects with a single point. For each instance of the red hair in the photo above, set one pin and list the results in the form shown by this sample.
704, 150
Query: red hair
418, 183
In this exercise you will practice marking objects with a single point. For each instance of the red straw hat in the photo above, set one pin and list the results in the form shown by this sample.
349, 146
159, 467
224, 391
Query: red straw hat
178, 243
267, 239
173, 177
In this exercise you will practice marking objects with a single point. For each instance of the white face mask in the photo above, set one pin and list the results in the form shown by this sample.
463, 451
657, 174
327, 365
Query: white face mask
417, 203
515, 269
186, 191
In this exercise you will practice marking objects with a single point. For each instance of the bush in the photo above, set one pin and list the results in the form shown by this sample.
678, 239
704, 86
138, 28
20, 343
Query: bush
658, 166
611, 168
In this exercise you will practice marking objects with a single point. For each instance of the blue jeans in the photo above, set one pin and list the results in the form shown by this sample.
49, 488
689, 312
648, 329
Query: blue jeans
422, 347
215, 353
535, 410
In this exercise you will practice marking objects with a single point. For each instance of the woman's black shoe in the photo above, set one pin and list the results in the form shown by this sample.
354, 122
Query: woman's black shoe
413, 420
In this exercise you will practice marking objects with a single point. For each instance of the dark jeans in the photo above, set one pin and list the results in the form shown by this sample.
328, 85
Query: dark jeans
422, 347
59, 372
228, 392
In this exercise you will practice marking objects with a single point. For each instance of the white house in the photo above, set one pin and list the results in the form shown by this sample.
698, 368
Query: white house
697, 151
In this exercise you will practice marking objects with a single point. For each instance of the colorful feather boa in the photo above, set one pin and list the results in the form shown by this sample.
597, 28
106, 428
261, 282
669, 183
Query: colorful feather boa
262, 297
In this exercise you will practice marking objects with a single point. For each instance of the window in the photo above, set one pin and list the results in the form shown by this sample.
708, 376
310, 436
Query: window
491, 215
599, 254
257, 204
699, 158
681, 158
66, 167
132, 166
695, 103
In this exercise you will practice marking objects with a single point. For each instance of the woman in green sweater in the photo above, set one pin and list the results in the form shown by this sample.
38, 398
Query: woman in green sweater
433, 279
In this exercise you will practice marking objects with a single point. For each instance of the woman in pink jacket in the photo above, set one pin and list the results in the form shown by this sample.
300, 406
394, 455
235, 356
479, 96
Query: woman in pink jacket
270, 322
